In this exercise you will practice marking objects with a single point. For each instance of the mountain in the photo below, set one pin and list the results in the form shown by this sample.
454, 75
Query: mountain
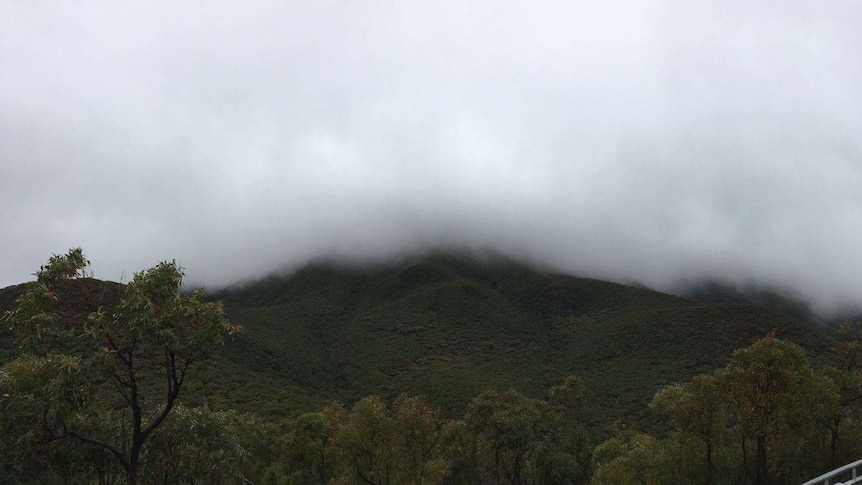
448, 326
784, 300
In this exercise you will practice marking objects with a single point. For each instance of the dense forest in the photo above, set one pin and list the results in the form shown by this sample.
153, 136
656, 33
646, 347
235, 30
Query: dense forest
440, 370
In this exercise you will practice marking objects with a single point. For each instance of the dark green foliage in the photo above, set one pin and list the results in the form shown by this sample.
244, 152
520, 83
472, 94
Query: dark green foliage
784, 301
198, 445
449, 327
93, 351
484, 341
765, 418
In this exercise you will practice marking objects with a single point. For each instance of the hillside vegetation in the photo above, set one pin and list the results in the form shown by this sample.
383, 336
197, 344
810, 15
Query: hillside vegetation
448, 327
496, 372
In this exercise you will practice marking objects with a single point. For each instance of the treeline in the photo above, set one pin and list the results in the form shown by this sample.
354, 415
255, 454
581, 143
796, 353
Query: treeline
768, 417
504, 438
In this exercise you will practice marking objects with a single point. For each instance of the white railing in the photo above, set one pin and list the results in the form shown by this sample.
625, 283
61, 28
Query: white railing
849, 472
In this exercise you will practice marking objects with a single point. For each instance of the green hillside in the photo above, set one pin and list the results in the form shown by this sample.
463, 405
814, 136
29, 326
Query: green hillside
448, 327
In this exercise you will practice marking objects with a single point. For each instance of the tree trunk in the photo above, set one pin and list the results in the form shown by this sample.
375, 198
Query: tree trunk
761, 460
833, 447
132, 473
709, 463
497, 465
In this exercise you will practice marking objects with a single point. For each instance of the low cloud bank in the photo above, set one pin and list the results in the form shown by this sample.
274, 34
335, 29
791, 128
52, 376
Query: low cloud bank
649, 141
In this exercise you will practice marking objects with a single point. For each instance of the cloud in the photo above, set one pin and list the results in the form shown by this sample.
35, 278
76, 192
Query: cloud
655, 141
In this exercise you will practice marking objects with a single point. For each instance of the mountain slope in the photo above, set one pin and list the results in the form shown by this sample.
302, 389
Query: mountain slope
450, 326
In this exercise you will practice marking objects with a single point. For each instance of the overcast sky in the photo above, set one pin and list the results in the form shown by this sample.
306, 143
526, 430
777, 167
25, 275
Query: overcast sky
652, 141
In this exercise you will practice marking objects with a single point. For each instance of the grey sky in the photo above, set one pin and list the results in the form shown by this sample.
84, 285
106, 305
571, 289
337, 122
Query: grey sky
634, 140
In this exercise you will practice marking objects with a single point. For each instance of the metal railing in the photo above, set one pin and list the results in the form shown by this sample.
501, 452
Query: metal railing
849, 472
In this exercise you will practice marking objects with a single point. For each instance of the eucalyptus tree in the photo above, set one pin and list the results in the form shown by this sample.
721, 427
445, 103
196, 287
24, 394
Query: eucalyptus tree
776, 399
381, 446
92, 349
697, 409
509, 429
845, 425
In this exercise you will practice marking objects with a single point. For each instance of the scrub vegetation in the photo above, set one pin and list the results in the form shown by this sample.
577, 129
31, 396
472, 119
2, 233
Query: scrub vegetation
443, 369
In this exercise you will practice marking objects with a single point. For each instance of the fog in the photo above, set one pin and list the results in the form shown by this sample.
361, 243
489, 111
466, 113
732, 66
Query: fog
650, 141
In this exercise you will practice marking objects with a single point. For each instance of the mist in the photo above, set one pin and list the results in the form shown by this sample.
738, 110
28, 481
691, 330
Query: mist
650, 141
